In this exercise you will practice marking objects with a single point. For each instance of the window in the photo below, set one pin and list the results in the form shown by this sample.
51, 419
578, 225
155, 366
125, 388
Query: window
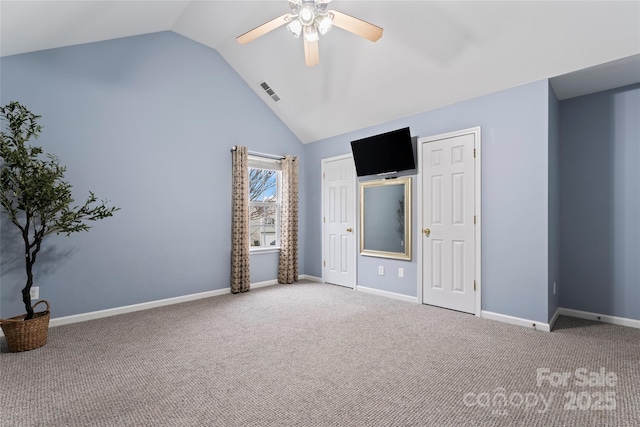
264, 203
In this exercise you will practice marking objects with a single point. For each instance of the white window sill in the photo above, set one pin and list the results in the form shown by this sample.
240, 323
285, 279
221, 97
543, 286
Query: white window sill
264, 250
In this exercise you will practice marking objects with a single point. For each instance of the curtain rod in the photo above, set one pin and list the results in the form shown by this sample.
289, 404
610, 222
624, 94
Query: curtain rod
265, 155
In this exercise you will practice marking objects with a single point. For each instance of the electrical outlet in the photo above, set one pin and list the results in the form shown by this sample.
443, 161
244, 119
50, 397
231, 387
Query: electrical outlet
554, 288
380, 270
35, 292
400, 272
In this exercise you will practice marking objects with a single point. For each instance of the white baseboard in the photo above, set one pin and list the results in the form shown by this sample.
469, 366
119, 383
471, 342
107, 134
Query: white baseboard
83, 317
59, 321
516, 321
275, 281
605, 318
387, 294
311, 278
546, 327
554, 319
614, 320
263, 284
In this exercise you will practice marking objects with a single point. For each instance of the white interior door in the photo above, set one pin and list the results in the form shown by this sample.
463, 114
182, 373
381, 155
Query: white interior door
339, 221
448, 234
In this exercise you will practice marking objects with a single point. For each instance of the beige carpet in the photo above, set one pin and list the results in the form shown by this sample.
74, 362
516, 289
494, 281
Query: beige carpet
311, 354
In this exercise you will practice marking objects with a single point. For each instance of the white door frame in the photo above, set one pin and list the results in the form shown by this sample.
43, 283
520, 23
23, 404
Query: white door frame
354, 255
476, 131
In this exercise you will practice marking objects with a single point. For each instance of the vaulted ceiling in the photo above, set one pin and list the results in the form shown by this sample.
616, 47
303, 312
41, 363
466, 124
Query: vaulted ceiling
432, 53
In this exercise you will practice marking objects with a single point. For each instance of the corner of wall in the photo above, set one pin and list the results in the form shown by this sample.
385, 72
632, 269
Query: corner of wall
553, 203
598, 268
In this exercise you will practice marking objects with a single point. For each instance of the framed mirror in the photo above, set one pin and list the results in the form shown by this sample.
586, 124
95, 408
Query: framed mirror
385, 218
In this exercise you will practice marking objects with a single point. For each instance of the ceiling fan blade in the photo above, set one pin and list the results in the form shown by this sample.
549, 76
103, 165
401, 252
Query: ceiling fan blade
311, 54
263, 29
356, 26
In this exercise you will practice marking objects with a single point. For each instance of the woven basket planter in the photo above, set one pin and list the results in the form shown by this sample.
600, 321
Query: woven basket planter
24, 335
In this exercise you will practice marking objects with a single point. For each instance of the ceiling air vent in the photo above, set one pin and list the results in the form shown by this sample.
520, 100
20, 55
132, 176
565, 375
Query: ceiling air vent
269, 91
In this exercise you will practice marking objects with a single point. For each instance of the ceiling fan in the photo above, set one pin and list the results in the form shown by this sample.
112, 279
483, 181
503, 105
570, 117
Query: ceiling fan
312, 19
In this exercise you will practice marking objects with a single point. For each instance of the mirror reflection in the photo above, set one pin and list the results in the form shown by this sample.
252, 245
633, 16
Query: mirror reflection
385, 218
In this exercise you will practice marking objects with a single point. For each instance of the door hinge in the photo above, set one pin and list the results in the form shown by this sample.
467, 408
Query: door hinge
323, 175
324, 263
474, 219
474, 152
474, 285
323, 219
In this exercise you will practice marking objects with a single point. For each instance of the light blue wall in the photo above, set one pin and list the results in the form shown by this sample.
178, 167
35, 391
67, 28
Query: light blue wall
514, 189
148, 123
600, 207
367, 271
554, 201
264, 266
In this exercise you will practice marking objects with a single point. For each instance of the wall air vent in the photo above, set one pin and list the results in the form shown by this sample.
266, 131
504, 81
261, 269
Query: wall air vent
270, 91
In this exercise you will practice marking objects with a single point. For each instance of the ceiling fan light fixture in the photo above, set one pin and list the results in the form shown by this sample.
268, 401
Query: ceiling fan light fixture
310, 33
322, 6
312, 19
295, 6
295, 28
323, 23
307, 14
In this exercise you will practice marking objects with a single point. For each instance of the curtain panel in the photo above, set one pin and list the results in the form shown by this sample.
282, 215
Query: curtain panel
240, 279
288, 264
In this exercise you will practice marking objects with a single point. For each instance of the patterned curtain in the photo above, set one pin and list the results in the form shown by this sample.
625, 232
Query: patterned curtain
240, 222
288, 266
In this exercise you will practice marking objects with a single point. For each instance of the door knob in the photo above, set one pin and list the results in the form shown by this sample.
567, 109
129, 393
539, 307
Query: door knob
426, 231
349, 229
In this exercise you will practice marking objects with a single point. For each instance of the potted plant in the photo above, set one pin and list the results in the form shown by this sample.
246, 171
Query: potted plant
39, 202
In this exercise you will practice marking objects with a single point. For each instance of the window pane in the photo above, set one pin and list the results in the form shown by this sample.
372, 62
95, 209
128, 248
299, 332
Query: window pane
262, 225
262, 185
264, 207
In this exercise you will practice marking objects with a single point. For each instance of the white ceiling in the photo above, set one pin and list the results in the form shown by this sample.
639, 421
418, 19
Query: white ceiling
432, 53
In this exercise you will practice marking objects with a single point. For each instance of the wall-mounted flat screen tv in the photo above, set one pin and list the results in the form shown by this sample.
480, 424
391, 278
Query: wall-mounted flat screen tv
385, 153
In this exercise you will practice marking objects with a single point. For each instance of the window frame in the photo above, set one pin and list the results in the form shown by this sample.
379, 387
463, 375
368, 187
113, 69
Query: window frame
274, 165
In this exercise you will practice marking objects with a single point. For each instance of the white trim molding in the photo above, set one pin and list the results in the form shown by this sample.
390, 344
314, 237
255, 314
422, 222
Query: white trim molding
263, 284
83, 317
310, 278
554, 318
516, 321
547, 327
256, 250
605, 318
387, 294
